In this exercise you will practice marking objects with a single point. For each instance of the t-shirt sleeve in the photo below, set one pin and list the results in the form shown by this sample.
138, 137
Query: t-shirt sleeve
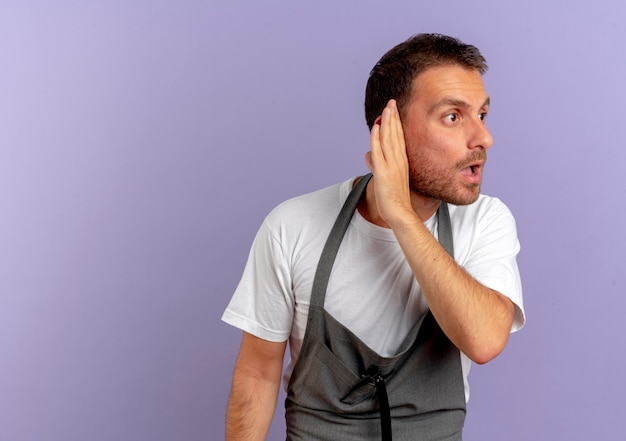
262, 304
493, 259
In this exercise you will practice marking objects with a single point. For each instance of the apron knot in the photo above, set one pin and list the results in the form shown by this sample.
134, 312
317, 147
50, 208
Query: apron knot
373, 377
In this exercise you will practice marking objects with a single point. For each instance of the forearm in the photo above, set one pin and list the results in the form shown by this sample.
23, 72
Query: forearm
251, 406
475, 318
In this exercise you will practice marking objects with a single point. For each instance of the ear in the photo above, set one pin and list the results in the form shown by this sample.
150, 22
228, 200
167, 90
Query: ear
378, 120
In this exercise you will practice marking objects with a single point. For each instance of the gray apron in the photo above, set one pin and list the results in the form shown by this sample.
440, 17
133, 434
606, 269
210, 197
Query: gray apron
342, 390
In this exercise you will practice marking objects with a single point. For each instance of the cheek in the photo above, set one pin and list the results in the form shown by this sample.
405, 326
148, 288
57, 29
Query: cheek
442, 141
431, 146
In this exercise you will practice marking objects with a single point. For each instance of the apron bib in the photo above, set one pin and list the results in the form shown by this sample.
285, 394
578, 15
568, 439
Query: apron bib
342, 390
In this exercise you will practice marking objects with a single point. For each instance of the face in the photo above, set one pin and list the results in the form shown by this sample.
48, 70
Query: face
446, 136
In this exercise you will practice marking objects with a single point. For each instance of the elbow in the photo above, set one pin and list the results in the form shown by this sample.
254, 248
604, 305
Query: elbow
492, 339
486, 355
488, 350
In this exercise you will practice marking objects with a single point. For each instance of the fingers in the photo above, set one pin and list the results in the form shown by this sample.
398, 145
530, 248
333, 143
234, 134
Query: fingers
387, 137
387, 160
387, 146
393, 134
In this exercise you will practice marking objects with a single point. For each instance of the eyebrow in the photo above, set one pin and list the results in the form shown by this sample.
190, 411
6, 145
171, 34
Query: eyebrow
454, 102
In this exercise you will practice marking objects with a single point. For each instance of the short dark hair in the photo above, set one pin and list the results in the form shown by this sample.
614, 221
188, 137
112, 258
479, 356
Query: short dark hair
392, 77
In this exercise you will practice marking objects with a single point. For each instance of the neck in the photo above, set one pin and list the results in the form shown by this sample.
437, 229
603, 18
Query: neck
423, 206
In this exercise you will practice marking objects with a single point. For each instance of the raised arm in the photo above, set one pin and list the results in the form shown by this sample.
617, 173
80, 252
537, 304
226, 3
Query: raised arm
256, 382
475, 318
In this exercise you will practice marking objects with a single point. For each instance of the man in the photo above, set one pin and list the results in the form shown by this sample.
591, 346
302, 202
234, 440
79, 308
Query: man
386, 287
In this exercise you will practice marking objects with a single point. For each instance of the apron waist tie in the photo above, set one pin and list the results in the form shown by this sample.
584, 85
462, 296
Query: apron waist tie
372, 376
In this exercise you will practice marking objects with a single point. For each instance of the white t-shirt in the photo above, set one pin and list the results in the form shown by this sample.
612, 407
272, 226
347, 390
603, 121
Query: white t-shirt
372, 290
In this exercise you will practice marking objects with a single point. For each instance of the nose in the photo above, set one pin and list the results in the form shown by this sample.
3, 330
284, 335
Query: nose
480, 136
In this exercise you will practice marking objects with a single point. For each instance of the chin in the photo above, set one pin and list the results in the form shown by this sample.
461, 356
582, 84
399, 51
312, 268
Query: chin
467, 197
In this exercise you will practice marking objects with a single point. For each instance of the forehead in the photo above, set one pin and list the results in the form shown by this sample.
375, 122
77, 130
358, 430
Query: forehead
448, 83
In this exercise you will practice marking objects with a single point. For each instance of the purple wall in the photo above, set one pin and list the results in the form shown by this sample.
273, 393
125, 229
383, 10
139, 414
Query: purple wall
142, 142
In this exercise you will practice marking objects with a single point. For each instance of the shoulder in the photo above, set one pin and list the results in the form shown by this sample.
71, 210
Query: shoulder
309, 210
484, 211
486, 224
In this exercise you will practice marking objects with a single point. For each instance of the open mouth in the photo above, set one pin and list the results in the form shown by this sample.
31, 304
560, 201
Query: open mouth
472, 172
471, 169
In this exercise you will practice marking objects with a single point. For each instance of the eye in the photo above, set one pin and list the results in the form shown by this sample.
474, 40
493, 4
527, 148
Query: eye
482, 116
452, 117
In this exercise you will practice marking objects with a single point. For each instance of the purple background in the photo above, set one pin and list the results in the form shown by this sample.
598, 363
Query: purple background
142, 142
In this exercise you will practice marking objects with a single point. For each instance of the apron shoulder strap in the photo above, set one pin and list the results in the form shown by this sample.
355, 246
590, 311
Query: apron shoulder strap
444, 228
329, 253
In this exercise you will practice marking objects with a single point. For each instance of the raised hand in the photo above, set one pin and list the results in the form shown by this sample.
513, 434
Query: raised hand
387, 160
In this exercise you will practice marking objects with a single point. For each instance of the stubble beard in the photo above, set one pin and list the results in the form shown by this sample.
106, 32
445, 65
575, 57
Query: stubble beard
433, 181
